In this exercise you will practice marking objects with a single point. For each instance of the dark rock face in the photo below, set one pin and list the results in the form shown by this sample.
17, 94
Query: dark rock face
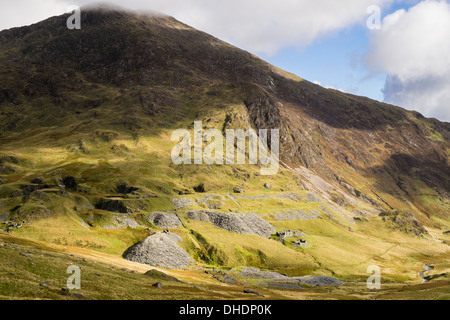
238, 190
28, 189
113, 206
36, 186
125, 189
70, 183
300, 243
200, 188
263, 112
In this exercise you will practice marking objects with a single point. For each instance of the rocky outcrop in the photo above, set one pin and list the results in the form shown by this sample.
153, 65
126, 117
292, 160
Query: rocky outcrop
280, 278
211, 201
113, 205
403, 221
263, 111
159, 250
282, 235
123, 188
182, 203
164, 220
69, 182
300, 243
30, 213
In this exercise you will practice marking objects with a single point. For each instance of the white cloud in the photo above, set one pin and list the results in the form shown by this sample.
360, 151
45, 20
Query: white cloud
413, 48
261, 26
265, 26
18, 13
328, 87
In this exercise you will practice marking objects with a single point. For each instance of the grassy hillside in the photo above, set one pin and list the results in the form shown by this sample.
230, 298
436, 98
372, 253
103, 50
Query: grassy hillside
87, 119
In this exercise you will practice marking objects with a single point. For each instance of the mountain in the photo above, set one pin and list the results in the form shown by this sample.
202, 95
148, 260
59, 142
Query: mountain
85, 160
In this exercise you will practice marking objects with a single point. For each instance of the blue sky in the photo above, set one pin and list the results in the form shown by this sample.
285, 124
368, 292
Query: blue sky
335, 60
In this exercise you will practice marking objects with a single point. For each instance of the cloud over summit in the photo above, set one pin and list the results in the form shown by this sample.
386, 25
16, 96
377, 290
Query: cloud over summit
412, 48
261, 26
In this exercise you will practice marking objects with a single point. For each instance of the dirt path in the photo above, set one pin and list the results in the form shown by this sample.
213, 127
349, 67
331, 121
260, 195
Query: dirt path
191, 276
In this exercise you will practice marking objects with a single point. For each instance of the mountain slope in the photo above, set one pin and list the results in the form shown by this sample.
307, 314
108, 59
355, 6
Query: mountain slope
87, 117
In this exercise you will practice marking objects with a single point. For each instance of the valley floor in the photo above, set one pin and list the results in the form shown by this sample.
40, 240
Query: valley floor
35, 270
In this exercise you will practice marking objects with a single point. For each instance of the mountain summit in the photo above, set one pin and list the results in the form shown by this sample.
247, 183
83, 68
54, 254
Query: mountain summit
87, 117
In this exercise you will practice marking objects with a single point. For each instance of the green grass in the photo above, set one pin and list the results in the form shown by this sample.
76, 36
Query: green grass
50, 150
21, 276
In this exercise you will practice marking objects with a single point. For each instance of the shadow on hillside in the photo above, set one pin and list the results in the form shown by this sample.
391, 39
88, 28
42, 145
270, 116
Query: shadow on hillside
338, 109
433, 172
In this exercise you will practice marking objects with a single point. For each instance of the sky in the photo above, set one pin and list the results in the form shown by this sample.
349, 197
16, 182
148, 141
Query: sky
401, 56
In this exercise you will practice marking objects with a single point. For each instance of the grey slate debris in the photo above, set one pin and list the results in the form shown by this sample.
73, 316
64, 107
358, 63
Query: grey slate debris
244, 223
159, 250
315, 281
